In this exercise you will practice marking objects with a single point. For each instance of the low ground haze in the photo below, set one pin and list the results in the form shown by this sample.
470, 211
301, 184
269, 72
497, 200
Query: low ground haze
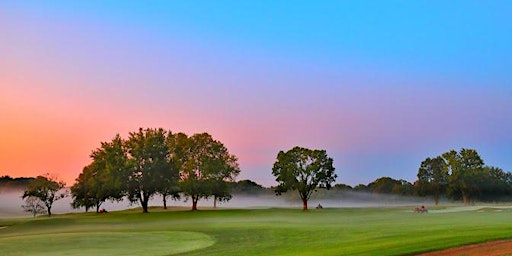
11, 202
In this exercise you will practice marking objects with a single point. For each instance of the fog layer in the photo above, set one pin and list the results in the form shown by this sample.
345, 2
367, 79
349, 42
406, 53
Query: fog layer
11, 202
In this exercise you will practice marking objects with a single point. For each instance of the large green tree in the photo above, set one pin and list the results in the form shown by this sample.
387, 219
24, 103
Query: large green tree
150, 165
466, 169
303, 170
103, 179
433, 177
48, 189
205, 165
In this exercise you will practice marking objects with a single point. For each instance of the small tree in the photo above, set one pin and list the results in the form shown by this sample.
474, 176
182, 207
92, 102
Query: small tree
46, 189
221, 192
33, 205
303, 170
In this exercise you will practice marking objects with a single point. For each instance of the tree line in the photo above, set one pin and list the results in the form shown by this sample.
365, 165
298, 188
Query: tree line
455, 175
156, 161
175, 166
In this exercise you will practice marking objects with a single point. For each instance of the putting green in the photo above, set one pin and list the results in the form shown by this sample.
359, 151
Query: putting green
106, 243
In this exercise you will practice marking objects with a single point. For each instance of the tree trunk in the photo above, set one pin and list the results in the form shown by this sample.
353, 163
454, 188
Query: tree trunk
304, 204
194, 203
214, 201
465, 199
97, 208
49, 211
165, 202
144, 203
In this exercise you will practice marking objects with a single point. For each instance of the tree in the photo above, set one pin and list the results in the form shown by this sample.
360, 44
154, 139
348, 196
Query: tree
7, 182
495, 184
103, 179
433, 177
81, 192
168, 184
303, 170
384, 185
221, 191
205, 164
466, 168
247, 187
341, 186
46, 189
150, 165
34, 206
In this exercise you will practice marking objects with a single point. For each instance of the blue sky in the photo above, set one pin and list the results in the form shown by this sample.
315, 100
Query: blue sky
380, 84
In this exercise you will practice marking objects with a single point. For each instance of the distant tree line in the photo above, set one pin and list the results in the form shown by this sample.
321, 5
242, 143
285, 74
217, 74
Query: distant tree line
455, 175
7, 182
462, 175
155, 161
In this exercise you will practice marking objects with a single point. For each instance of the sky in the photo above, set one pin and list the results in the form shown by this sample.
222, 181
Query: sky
380, 85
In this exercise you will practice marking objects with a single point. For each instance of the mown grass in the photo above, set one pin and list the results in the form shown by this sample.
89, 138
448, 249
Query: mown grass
343, 231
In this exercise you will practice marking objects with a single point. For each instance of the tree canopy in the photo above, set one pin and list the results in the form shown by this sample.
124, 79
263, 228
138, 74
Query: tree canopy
433, 177
303, 170
150, 166
462, 175
205, 166
155, 161
103, 179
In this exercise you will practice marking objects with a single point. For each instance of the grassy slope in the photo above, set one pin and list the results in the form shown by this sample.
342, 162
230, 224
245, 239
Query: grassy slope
392, 231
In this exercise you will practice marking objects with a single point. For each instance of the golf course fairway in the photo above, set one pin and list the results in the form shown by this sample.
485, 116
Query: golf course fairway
336, 231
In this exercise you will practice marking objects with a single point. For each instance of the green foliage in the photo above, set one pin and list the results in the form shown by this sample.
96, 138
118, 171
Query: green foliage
247, 187
433, 177
466, 169
463, 175
303, 170
205, 165
387, 185
150, 166
154, 161
103, 179
495, 184
341, 186
47, 189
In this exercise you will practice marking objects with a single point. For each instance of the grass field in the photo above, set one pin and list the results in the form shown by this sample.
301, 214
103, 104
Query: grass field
340, 231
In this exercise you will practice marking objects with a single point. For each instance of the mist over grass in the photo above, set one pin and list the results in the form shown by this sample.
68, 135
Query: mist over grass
11, 201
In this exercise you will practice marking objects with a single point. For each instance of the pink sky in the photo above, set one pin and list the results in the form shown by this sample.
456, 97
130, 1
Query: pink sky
73, 76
